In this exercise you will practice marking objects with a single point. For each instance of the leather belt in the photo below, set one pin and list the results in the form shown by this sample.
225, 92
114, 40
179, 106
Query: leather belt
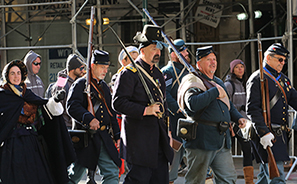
210, 123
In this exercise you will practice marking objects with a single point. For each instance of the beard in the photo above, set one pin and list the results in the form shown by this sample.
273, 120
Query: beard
156, 59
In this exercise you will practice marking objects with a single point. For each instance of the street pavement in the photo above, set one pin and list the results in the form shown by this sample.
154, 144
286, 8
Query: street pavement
238, 166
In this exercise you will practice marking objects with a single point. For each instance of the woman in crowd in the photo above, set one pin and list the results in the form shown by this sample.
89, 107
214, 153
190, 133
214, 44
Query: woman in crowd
22, 118
235, 84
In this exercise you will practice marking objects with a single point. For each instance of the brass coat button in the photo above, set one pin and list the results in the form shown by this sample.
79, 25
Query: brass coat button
103, 127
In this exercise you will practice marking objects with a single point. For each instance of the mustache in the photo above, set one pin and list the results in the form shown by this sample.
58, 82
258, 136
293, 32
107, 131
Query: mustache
157, 56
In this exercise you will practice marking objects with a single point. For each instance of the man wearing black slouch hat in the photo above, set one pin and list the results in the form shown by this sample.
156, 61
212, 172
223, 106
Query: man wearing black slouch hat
144, 126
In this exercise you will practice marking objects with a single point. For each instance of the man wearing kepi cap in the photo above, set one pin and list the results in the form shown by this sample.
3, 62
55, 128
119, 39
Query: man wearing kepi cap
144, 128
282, 95
204, 99
173, 72
97, 148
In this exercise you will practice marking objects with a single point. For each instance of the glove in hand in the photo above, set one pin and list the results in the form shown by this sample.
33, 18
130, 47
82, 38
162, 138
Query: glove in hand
266, 140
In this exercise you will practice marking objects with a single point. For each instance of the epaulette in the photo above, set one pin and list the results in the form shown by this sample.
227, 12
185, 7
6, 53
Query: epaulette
131, 68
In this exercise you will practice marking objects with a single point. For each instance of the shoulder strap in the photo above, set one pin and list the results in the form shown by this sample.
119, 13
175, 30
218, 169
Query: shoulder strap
233, 87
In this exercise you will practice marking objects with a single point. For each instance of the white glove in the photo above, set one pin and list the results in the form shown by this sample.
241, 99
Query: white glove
55, 108
266, 140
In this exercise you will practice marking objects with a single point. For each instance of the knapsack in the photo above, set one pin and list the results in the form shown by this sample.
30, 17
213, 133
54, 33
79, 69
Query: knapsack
233, 87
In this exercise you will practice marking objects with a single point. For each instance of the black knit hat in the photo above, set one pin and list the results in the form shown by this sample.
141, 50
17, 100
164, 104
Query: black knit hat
73, 62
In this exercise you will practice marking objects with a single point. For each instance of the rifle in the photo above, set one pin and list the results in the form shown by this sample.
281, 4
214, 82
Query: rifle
181, 58
89, 73
147, 90
273, 170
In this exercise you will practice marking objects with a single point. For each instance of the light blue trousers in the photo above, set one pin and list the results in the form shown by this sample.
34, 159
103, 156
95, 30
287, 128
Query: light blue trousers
220, 161
108, 169
263, 176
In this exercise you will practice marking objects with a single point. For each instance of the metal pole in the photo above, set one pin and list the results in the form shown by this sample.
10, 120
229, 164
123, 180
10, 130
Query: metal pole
37, 47
99, 18
274, 17
144, 6
3, 42
74, 27
34, 4
182, 15
290, 39
251, 25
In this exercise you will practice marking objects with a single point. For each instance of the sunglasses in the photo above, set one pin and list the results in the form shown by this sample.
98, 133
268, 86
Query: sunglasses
81, 68
280, 59
36, 64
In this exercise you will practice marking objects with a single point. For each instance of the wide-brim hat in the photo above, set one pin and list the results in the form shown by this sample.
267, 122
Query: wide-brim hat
150, 34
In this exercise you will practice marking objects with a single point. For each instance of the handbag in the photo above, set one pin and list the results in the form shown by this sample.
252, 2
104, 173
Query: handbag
79, 138
186, 129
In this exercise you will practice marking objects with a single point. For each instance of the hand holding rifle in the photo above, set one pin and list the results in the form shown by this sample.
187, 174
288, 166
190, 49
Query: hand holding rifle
266, 139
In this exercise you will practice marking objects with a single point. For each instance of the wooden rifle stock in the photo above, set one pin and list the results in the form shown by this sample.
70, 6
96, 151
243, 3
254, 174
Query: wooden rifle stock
89, 73
273, 170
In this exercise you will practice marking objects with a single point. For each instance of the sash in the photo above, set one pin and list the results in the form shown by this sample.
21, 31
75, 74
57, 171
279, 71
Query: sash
278, 84
151, 79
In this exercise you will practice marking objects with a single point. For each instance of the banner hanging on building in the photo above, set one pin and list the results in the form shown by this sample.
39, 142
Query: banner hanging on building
209, 12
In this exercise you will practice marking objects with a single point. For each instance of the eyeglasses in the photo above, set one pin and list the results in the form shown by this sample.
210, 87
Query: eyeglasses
280, 59
36, 64
81, 68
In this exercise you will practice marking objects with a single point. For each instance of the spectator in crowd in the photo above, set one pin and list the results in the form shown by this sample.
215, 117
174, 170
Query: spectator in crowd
33, 62
235, 84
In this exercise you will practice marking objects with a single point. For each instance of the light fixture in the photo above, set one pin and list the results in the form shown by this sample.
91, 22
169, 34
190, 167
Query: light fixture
105, 21
88, 21
258, 14
242, 16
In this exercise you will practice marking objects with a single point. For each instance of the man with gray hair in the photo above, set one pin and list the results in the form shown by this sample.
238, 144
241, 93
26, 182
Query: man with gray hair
33, 62
282, 95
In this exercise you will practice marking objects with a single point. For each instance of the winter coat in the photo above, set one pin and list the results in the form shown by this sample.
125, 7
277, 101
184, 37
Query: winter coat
236, 93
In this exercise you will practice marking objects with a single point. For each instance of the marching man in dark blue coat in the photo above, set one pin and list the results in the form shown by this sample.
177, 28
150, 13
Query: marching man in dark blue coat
281, 95
144, 133
173, 73
100, 149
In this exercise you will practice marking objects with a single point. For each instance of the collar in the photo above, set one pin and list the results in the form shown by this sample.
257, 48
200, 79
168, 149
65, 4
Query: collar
146, 66
205, 76
273, 72
98, 82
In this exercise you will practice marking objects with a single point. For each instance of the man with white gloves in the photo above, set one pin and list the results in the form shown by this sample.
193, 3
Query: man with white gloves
281, 95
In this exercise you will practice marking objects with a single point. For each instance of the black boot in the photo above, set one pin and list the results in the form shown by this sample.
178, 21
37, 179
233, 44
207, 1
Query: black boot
91, 177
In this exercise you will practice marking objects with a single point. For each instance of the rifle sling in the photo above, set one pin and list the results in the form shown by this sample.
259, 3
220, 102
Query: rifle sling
275, 98
150, 79
98, 89
278, 85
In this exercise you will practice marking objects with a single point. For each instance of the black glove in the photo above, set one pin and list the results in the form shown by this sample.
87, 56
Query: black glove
242, 108
60, 95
